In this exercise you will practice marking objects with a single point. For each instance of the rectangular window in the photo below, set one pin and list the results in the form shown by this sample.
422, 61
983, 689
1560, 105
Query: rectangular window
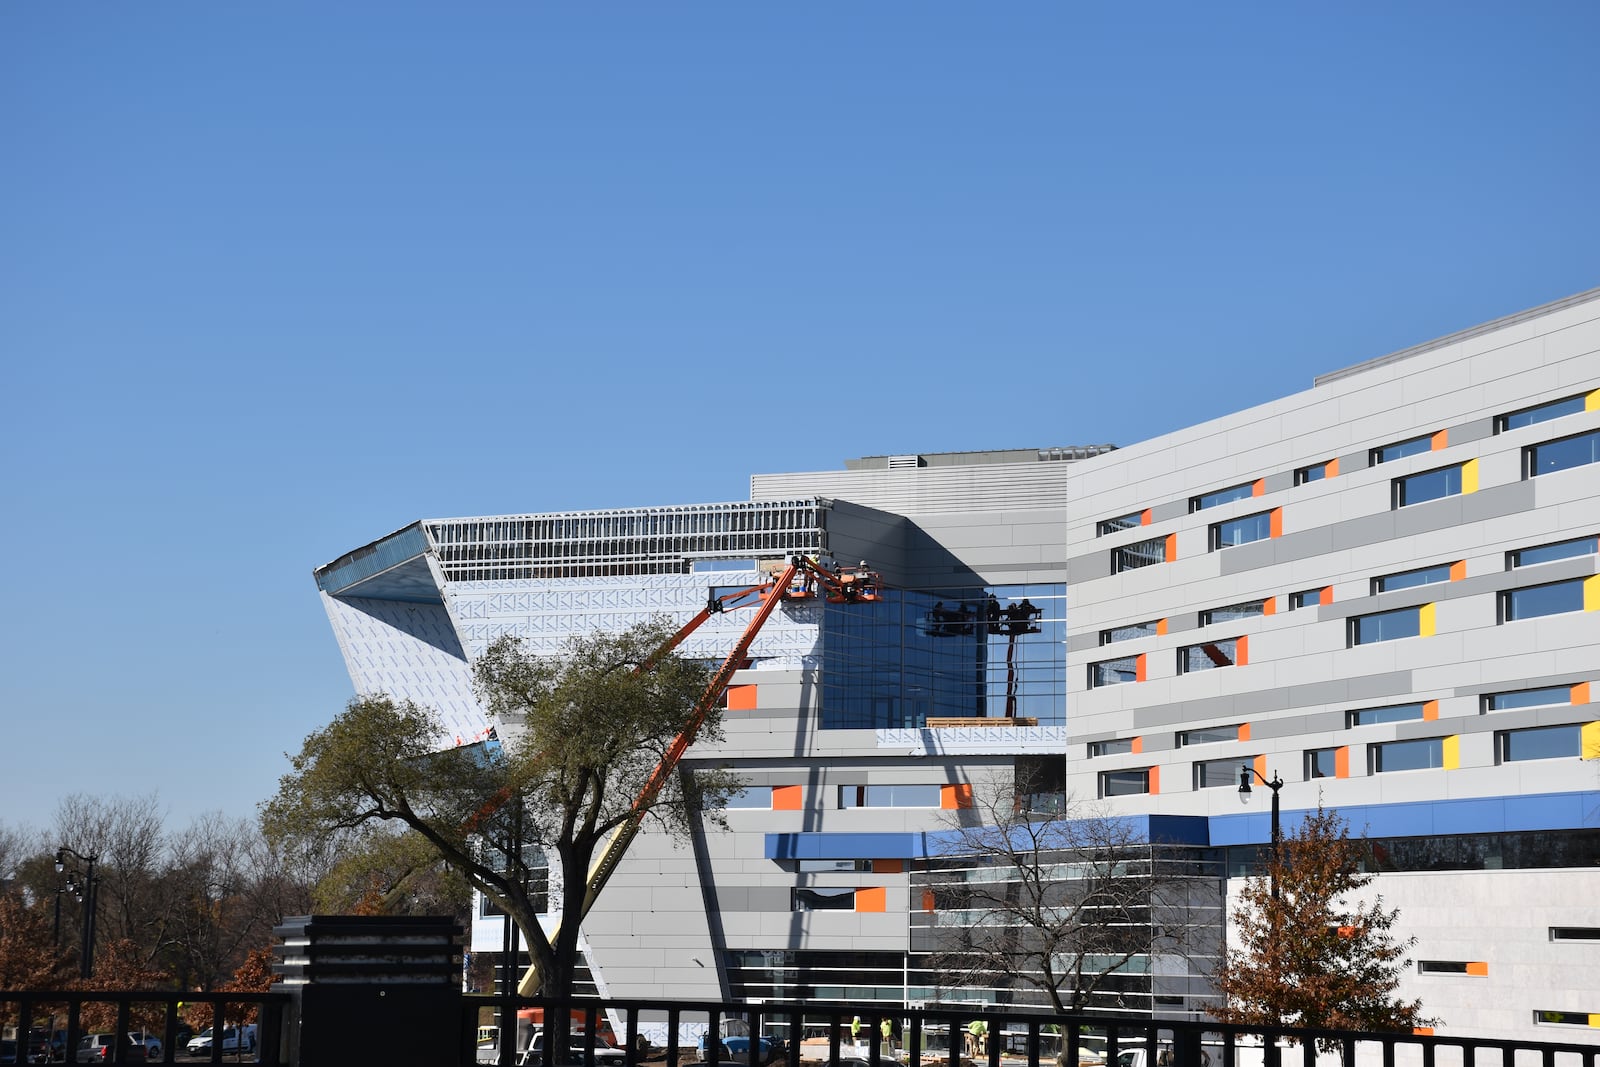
1208, 655
1131, 631
1575, 933
1401, 449
1306, 598
1564, 454
1114, 672
818, 899
1423, 754
1141, 554
1250, 609
1241, 531
831, 866
1527, 557
1218, 773
1427, 485
1124, 783
1560, 1018
1114, 747
1322, 763
1528, 698
1542, 742
1208, 735
1314, 473
1221, 496
1121, 522
1411, 579
753, 797
888, 796
1554, 409
1372, 716
1441, 966
1386, 626
1536, 601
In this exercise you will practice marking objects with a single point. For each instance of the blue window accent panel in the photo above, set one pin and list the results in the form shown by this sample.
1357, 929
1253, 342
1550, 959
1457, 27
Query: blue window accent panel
1485, 815
820, 846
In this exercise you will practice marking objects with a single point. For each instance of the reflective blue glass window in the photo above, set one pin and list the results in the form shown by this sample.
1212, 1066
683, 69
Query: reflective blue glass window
1322, 763
1536, 601
1386, 626
1527, 557
1121, 522
1221, 496
1208, 655
1241, 531
1543, 742
1216, 773
1142, 554
1128, 632
1110, 748
889, 796
1564, 454
819, 899
1428, 485
756, 796
1403, 448
1528, 698
1114, 672
1540, 413
1428, 752
1395, 713
1411, 579
1124, 783
1208, 735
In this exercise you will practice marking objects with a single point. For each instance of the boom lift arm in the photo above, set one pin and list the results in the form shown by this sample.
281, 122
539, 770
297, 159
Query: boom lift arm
799, 580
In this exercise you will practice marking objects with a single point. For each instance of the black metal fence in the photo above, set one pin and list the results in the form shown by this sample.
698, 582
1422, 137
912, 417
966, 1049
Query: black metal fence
776, 1034
51, 1025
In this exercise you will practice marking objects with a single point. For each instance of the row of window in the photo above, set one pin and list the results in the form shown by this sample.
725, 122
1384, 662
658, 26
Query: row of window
767, 797
1511, 746
1542, 458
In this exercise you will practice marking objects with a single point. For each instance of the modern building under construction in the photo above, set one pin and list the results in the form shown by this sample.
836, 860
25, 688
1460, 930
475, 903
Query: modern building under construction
1379, 594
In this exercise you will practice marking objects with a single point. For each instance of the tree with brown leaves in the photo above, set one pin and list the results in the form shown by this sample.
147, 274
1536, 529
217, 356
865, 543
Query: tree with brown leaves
1316, 956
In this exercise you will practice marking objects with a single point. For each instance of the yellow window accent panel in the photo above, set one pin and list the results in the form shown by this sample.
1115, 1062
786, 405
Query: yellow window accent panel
1591, 593
954, 796
1589, 737
1592, 401
1452, 752
1426, 622
872, 899
1469, 476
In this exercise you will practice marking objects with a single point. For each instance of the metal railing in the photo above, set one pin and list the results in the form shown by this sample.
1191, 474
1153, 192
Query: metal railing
61, 1014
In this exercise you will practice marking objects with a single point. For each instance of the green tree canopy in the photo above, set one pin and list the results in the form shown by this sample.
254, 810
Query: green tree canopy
578, 738
1316, 956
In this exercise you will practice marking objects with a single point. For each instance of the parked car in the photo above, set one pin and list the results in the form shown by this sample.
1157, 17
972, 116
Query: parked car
234, 1039
151, 1043
605, 1054
46, 1046
736, 1048
99, 1048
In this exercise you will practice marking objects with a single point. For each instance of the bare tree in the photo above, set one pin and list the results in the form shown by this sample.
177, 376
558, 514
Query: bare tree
1059, 901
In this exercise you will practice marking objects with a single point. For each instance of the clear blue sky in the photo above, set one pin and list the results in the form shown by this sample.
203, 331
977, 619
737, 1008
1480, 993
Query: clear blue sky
278, 278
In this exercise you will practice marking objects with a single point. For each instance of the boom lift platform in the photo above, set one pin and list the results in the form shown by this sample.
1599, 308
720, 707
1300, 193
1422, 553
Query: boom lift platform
803, 578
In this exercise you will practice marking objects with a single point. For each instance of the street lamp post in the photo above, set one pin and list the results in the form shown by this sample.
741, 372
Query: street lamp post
88, 891
1245, 773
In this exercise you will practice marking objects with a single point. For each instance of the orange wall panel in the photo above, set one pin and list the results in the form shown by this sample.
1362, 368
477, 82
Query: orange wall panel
1327, 595
1138, 745
888, 866
1172, 547
1138, 667
1341, 762
1242, 650
1478, 967
1331, 470
1144, 517
1580, 693
741, 698
1270, 607
1430, 710
874, 898
1155, 780
787, 797
1258, 487
1244, 731
1458, 570
1275, 523
1441, 440
955, 796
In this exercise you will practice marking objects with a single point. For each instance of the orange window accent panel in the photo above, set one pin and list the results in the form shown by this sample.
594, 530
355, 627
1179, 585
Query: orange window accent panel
741, 698
927, 900
1332, 469
1244, 731
955, 796
1270, 607
1138, 745
1275, 523
1580, 693
1478, 967
1155, 780
786, 797
874, 898
1458, 570
1441, 440
1347, 931
1260, 765
1341, 762
1144, 517
1430, 710
1172, 547
1422, 1031
888, 866
1138, 666
1161, 627
1242, 650
1327, 595
1258, 487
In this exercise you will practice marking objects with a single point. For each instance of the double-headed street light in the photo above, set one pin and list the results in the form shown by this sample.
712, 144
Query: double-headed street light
82, 883
1246, 771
